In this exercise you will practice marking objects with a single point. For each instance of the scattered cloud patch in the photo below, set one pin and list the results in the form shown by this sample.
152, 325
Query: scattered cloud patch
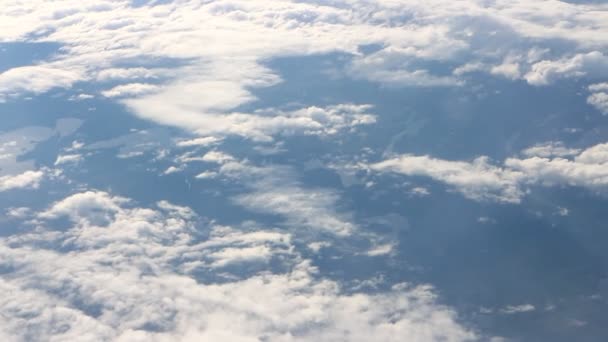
68, 159
202, 141
478, 180
130, 90
599, 97
550, 149
593, 64
274, 189
26, 180
36, 79
547, 165
515, 309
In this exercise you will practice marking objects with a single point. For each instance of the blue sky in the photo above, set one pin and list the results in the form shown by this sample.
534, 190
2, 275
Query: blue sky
303, 170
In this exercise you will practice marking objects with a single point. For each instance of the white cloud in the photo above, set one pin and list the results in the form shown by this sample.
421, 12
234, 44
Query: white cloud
274, 189
36, 79
131, 90
210, 79
126, 74
515, 309
379, 250
203, 116
478, 180
302, 207
217, 157
598, 87
550, 149
561, 211
588, 169
18, 213
26, 180
391, 66
206, 175
134, 278
599, 97
593, 64
202, 141
68, 158
469, 68
510, 70
419, 191
546, 165
98, 206
173, 169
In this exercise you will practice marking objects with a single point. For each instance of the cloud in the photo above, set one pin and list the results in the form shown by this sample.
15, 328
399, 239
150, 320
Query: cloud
593, 64
148, 274
550, 149
274, 189
207, 119
36, 79
26, 180
588, 169
202, 141
18, 213
113, 74
173, 169
131, 90
217, 157
392, 66
68, 158
547, 165
599, 97
508, 70
201, 84
478, 180
509, 310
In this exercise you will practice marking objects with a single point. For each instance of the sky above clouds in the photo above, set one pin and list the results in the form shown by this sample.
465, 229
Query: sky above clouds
324, 170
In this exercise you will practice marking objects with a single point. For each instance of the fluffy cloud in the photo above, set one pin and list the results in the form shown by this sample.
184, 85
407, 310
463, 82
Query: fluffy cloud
593, 64
36, 79
156, 274
28, 179
477, 180
546, 165
588, 169
599, 97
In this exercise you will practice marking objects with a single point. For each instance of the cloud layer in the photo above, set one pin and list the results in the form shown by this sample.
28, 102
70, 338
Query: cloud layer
125, 273
216, 51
